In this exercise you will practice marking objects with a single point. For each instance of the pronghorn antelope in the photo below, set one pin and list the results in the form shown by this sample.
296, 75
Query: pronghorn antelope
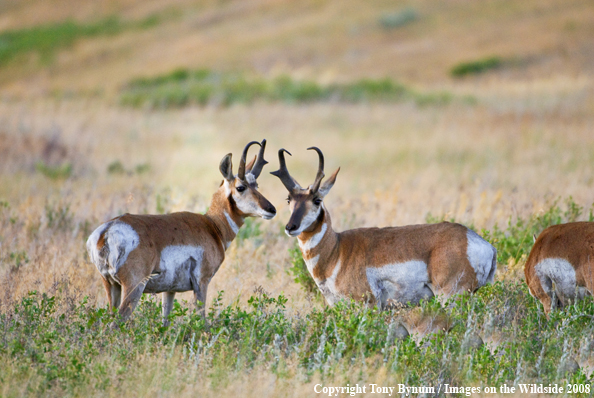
177, 252
560, 267
382, 265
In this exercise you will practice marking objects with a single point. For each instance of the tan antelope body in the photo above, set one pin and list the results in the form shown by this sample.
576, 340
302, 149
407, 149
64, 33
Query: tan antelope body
383, 265
561, 264
176, 252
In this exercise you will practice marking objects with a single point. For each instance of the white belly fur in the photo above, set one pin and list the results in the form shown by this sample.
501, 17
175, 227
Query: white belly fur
562, 273
328, 286
180, 269
406, 282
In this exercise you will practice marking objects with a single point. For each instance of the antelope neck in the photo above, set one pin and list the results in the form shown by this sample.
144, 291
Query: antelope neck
225, 216
321, 242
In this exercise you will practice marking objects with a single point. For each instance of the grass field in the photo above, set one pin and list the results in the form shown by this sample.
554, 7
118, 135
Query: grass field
510, 152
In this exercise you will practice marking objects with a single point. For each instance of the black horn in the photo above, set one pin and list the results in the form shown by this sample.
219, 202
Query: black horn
241, 171
316, 185
260, 162
282, 173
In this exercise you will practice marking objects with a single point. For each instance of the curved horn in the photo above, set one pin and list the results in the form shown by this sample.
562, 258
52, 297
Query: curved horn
260, 162
241, 171
283, 173
316, 185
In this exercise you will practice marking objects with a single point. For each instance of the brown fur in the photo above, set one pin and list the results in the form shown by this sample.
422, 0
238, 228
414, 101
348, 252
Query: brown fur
101, 241
441, 246
210, 231
573, 242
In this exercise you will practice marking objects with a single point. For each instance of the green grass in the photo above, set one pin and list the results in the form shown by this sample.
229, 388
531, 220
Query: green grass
184, 87
46, 40
476, 67
61, 345
55, 344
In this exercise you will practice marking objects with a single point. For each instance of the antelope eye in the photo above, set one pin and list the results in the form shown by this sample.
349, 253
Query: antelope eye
240, 188
288, 200
317, 201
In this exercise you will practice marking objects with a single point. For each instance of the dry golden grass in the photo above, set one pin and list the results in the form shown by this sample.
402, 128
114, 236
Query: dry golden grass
527, 141
399, 163
324, 40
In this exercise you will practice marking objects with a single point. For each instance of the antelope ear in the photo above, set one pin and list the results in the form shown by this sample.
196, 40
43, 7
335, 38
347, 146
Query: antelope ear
226, 168
328, 184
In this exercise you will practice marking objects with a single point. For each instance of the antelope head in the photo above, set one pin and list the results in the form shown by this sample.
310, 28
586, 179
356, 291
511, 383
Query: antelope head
242, 189
305, 203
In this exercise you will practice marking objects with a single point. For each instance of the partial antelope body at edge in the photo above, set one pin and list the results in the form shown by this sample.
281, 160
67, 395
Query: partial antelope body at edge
382, 265
560, 267
177, 252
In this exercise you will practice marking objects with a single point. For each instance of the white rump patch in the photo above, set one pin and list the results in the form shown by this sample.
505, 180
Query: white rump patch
482, 257
120, 239
560, 272
400, 282
92, 245
314, 240
180, 268
231, 223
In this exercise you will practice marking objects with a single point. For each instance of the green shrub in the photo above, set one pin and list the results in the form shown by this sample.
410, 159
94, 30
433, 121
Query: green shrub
142, 168
300, 273
54, 172
116, 167
183, 87
45, 40
516, 240
398, 19
67, 342
250, 229
475, 67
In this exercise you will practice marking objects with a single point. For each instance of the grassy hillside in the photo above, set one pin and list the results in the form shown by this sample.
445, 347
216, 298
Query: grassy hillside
478, 112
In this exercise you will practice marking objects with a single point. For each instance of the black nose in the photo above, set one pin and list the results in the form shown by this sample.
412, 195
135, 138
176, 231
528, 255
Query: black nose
291, 227
271, 209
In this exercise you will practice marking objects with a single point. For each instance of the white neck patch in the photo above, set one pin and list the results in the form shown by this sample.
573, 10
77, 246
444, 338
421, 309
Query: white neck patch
314, 240
332, 280
311, 264
231, 223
